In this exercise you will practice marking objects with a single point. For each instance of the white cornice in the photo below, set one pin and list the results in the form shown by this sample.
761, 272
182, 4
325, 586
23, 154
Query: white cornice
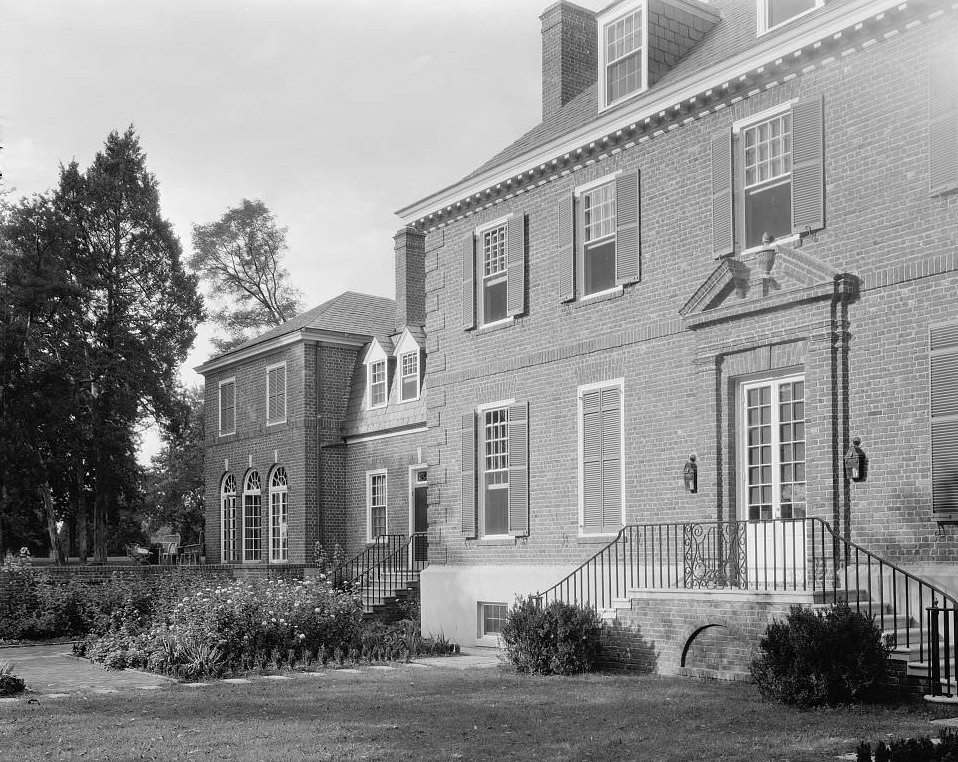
316, 335
714, 78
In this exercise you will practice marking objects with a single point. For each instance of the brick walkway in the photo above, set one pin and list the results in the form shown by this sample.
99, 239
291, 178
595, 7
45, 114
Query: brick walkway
53, 669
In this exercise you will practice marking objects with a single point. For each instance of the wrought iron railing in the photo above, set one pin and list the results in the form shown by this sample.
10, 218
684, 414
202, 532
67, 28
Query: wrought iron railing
393, 571
942, 624
789, 555
384, 547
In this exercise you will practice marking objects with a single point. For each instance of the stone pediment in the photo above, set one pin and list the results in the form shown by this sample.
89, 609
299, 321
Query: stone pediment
760, 281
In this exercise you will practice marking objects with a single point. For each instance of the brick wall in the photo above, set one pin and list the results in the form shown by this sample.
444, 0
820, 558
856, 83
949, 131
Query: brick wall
865, 367
569, 59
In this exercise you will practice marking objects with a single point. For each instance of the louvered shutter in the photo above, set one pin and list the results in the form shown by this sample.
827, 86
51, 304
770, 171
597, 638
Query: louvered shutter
469, 474
943, 120
519, 469
611, 459
723, 233
516, 259
628, 225
944, 418
592, 462
276, 394
565, 229
808, 166
469, 282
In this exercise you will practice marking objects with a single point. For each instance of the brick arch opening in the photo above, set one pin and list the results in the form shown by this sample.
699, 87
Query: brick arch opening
718, 648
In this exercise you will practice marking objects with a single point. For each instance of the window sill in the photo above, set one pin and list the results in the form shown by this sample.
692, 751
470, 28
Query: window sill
493, 541
497, 326
376, 407
275, 423
224, 434
601, 296
596, 539
405, 402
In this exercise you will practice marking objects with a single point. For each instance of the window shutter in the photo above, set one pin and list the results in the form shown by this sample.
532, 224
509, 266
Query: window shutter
519, 469
591, 462
723, 234
516, 258
567, 257
944, 418
469, 282
276, 394
808, 166
611, 459
943, 120
469, 474
628, 226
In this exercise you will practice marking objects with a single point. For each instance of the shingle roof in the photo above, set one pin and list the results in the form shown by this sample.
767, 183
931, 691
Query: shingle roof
734, 34
350, 312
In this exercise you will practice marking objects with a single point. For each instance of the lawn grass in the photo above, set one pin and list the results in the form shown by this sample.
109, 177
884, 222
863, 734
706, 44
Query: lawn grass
410, 713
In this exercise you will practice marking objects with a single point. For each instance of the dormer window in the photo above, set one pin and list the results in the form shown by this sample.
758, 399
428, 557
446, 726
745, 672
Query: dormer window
409, 376
774, 13
624, 70
377, 383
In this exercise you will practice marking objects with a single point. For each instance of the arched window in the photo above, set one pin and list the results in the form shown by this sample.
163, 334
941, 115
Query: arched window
228, 513
278, 516
253, 518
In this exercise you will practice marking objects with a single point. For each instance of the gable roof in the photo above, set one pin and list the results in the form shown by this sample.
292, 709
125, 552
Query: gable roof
349, 313
732, 45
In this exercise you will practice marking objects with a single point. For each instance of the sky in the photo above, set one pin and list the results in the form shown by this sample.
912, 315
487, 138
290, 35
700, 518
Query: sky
334, 114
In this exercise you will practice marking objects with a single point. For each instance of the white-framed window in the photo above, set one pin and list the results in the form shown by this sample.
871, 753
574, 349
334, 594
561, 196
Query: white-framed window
227, 406
598, 232
279, 516
409, 376
492, 302
601, 450
494, 485
376, 499
623, 46
491, 617
772, 447
493, 273
276, 393
764, 151
252, 517
377, 383
774, 13
229, 551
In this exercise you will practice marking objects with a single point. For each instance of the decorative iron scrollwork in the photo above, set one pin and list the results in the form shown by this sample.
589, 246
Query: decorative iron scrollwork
715, 555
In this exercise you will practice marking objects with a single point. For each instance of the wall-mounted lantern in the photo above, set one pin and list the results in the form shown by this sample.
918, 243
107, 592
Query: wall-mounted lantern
856, 463
690, 474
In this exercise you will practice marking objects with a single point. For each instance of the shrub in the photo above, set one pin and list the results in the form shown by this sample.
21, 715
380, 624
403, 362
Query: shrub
912, 750
10, 684
821, 657
558, 639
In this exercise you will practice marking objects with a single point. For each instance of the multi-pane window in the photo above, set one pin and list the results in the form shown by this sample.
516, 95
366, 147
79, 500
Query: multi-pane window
598, 217
377, 383
767, 174
253, 518
494, 274
491, 618
227, 407
775, 12
495, 471
623, 56
279, 516
276, 393
600, 426
409, 376
228, 524
774, 414
376, 490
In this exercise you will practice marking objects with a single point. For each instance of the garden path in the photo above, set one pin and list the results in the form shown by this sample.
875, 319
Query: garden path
53, 669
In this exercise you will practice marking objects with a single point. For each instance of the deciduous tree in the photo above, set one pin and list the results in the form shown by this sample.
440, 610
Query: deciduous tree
240, 258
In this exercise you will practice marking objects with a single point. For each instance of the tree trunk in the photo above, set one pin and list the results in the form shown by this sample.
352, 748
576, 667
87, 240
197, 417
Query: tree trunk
49, 510
81, 518
101, 502
3, 512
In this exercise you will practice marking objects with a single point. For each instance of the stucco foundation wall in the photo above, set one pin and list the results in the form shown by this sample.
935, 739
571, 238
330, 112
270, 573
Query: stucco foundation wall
451, 595
721, 630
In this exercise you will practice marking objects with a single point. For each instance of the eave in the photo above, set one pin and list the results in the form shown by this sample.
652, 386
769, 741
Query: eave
310, 335
855, 26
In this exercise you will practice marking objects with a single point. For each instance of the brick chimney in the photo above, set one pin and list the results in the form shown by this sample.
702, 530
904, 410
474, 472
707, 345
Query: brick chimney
410, 248
569, 56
